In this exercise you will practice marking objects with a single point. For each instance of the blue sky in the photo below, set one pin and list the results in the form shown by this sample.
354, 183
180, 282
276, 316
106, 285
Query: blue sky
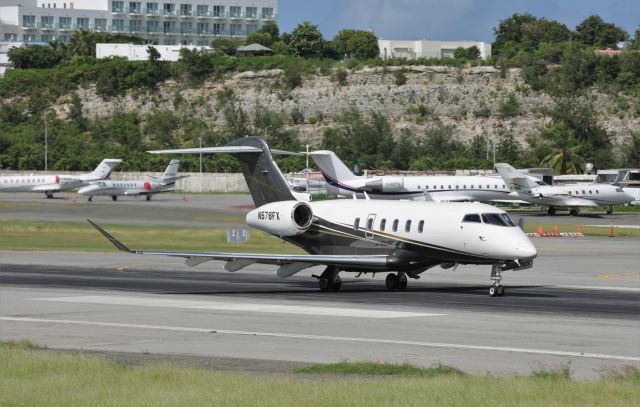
449, 19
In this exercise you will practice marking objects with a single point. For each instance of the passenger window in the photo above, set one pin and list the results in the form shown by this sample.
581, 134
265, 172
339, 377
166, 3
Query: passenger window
471, 218
370, 223
495, 186
488, 186
407, 226
464, 186
583, 192
383, 223
356, 224
395, 225
471, 186
570, 193
420, 226
457, 186
590, 192
441, 186
597, 192
449, 186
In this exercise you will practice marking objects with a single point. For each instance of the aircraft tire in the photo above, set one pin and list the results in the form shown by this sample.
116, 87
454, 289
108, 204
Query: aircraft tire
493, 291
551, 211
391, 282
90, 199
148, 197
402, 283
114, 197
500, 291
324, 283
336, 284
573, 212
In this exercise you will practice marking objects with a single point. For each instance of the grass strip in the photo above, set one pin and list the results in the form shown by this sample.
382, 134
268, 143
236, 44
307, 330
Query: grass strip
532, 227
78, 380
53, 236
380, 369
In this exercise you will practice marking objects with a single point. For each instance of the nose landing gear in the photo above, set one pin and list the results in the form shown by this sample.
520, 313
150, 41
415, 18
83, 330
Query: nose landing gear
496, 288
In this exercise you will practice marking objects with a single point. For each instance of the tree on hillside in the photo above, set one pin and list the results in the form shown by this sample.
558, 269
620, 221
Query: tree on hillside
306, 41
595, 32
266, 35
356, 43
526, 32
35, 56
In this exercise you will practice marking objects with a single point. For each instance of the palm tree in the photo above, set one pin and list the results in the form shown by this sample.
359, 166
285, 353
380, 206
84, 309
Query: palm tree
565, 157
82, 43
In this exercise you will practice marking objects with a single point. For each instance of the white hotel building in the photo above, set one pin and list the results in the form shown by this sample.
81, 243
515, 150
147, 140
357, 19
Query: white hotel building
165, 22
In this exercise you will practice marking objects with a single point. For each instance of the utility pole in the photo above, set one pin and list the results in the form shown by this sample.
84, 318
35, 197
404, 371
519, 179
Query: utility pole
200, 140
46, 145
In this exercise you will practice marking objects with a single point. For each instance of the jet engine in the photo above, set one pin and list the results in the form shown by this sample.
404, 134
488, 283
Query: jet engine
385, 184
284, 218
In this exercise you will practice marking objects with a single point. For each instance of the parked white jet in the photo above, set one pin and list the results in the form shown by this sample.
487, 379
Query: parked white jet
401, 238
114, 189
571, 196
48, 184
427, 187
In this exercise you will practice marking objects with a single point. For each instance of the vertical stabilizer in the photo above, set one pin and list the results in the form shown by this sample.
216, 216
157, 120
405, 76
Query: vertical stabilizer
515, 180
331, 165
104, 169
172, 169
264, 178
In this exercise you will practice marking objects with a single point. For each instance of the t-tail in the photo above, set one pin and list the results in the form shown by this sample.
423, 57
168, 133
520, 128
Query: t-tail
264, 178
172, 170
515, 180
104, 169
332, 168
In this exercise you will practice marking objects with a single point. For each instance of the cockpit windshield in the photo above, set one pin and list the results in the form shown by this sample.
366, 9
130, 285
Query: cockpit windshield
499, 219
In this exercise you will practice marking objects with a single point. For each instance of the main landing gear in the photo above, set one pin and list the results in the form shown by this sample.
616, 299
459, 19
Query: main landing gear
148, 197
496, 288
396, 281
574, 212
551, 211
90, 199
49, 194
330, 280
114, 197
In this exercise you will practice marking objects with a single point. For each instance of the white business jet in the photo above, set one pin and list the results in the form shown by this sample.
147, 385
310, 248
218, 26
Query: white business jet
343, 182
571, 196
147, 188
401, 238
48, 184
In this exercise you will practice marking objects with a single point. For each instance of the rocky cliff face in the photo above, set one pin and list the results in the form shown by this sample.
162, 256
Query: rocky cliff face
469, 99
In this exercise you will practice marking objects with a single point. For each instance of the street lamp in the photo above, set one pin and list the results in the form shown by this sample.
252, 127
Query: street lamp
200, 139
491, 142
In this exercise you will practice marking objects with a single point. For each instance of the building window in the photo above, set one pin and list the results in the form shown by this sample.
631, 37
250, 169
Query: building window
185, 9
235, 29
169, 42
203, 43
202, 10
203, 28
169, 27
29, 21
47, 38
64, 22
117, 25
186, 28
169, 8
117, 6
153, 26
252, 12
134, 7
218, 11
135, 25
267, 12
235, 11
101, 24
83, 22
10, 37
251, 28
218, 29
152, 8
46, 21
29, 38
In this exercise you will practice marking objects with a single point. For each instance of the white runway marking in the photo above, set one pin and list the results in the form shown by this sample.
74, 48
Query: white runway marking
244, 307
330, 338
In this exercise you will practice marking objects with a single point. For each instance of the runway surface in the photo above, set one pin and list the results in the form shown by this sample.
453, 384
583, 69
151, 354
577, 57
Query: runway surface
579, 305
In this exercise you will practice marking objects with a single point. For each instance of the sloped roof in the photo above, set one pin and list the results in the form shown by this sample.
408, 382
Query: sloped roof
254, 47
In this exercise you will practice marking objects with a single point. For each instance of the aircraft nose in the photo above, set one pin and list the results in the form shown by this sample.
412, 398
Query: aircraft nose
85, 190
526, 249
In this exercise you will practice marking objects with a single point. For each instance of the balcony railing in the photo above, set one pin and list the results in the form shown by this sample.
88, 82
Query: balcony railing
159, 30
152, 12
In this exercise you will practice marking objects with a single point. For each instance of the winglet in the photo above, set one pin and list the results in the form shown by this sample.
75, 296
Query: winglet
112, 239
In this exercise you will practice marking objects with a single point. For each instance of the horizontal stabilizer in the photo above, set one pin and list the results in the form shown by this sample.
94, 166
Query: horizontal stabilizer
221, 150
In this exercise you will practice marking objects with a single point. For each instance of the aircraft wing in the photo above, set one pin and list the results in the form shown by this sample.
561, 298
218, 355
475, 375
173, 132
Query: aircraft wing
575, 201
45, 188
224, 149
289, 263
